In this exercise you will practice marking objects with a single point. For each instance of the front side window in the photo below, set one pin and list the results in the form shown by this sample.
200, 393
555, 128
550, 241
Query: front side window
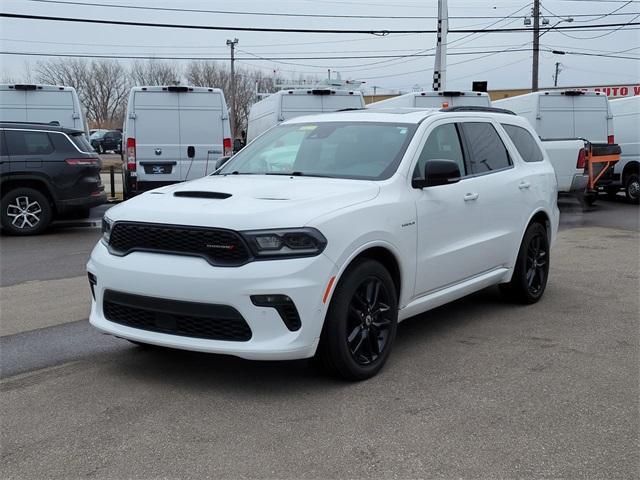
356, 150
25, 142
487, 153
443, 143
524, 142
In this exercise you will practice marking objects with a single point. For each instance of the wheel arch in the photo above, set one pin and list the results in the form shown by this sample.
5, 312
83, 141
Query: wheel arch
630, 168
11, 182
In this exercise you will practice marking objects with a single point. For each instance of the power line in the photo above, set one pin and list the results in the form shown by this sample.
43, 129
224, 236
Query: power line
279, 14
612, 12
293, 30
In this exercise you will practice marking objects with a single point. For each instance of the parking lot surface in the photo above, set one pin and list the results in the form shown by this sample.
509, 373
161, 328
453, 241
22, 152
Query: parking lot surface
476, 389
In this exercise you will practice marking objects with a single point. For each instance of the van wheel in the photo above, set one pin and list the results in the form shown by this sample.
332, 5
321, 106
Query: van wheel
25, 211
531, 271
632, 188
361, 323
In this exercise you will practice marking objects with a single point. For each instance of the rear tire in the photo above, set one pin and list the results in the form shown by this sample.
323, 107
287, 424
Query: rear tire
590, 198
25, 211
632, 188
361, 322
531, 271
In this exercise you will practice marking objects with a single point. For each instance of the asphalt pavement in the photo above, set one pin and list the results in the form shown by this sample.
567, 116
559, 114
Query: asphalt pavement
476, 389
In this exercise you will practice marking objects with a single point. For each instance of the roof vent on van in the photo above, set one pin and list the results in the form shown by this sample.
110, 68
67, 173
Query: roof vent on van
25, 87
196, 194
177, 88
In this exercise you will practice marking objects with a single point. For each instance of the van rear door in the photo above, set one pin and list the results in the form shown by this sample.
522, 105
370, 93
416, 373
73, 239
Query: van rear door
296, 105
340, 101
13, 106
591, 117
201, 127
156, 129
52, 106
556, 119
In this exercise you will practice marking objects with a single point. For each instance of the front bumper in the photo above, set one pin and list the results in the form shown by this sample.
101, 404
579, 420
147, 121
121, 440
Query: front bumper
192, 279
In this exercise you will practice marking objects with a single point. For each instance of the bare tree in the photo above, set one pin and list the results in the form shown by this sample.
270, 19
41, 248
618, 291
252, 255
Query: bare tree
102, 86
155, 72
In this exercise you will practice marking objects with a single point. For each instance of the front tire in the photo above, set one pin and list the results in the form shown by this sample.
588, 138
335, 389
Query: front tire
632, 188
531, 271
25, 211
361, 322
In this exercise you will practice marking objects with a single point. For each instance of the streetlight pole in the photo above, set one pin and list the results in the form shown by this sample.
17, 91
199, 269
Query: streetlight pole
232, 44
536, 45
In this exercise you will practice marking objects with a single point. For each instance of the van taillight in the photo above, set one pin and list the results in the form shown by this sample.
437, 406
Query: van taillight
226, 145
611, 140
582, 158
131, 154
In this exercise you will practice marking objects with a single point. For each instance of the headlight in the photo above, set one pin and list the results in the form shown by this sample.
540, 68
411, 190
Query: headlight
287, 242
107, 223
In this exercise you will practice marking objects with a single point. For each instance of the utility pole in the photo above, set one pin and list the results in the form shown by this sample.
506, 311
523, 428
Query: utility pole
440, 66
536, 45
555, 77
232, 44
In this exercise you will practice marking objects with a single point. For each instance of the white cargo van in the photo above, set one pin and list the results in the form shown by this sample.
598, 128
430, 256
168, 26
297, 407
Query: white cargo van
172, 134
626, 120
435, 100
565, 114
43, 104
287, 104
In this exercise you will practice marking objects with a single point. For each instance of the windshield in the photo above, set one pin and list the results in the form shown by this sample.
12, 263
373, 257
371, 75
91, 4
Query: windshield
358, 150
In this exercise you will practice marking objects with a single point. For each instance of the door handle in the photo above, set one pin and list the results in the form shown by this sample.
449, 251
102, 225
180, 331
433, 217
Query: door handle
470, 196
524, 185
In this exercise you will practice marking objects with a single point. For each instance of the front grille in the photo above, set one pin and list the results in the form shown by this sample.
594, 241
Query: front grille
217, 246
186, 319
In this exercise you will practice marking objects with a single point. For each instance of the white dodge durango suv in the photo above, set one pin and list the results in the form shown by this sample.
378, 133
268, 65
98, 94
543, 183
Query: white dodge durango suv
325, 232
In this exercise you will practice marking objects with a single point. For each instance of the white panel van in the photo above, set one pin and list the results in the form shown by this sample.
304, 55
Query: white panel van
626, 120
287, 104
435, 100
43, 104
565, 114
172, 134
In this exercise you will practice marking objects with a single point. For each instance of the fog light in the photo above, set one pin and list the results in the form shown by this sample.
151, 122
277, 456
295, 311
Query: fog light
283, 305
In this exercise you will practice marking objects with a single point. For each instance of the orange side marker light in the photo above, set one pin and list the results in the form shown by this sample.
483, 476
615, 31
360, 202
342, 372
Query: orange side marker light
328, 290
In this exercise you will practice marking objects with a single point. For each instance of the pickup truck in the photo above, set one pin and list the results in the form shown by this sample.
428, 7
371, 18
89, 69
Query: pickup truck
580, 165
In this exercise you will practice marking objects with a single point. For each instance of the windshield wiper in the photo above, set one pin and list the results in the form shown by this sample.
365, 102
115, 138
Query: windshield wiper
287, 174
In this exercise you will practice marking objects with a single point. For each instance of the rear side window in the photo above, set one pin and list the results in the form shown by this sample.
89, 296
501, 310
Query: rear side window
26, 142
487, 153
524, 142
81, 142
3, 144
443, 144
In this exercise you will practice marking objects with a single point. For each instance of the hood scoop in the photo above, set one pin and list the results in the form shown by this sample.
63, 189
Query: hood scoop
197, 194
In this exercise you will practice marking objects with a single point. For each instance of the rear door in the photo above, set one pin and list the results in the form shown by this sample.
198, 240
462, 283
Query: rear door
201, 128
335, 102
298, 105
13, 106
156, 128
556, 118
52, 106
591, 117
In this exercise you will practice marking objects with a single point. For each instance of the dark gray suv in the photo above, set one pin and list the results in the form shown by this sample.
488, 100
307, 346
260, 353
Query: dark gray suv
45, 171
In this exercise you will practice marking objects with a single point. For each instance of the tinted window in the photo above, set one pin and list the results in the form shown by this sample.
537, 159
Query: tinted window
487, 153
25, 142
443, 144
3, 144
524, 142
81, 142
358, 150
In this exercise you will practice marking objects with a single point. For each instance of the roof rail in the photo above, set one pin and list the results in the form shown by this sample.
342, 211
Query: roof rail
53, 123
474, 108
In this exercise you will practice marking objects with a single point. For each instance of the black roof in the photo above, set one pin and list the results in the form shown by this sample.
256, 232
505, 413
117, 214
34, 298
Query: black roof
40, 126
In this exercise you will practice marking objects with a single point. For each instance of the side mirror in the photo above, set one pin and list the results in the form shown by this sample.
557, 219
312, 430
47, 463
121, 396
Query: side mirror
237, 145
221, 161
191, 151
438, 172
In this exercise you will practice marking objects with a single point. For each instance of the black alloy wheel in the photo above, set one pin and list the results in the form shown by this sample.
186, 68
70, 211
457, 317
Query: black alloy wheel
368, 321
531, 271
361, 322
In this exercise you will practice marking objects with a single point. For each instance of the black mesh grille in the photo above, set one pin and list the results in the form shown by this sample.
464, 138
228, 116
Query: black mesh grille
219, 247
187, 319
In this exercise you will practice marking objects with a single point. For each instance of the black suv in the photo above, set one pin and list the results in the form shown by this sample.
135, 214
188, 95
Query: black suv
102, 141
45, 171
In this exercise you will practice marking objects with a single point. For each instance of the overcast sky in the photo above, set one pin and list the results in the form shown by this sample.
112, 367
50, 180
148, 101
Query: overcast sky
503, 70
